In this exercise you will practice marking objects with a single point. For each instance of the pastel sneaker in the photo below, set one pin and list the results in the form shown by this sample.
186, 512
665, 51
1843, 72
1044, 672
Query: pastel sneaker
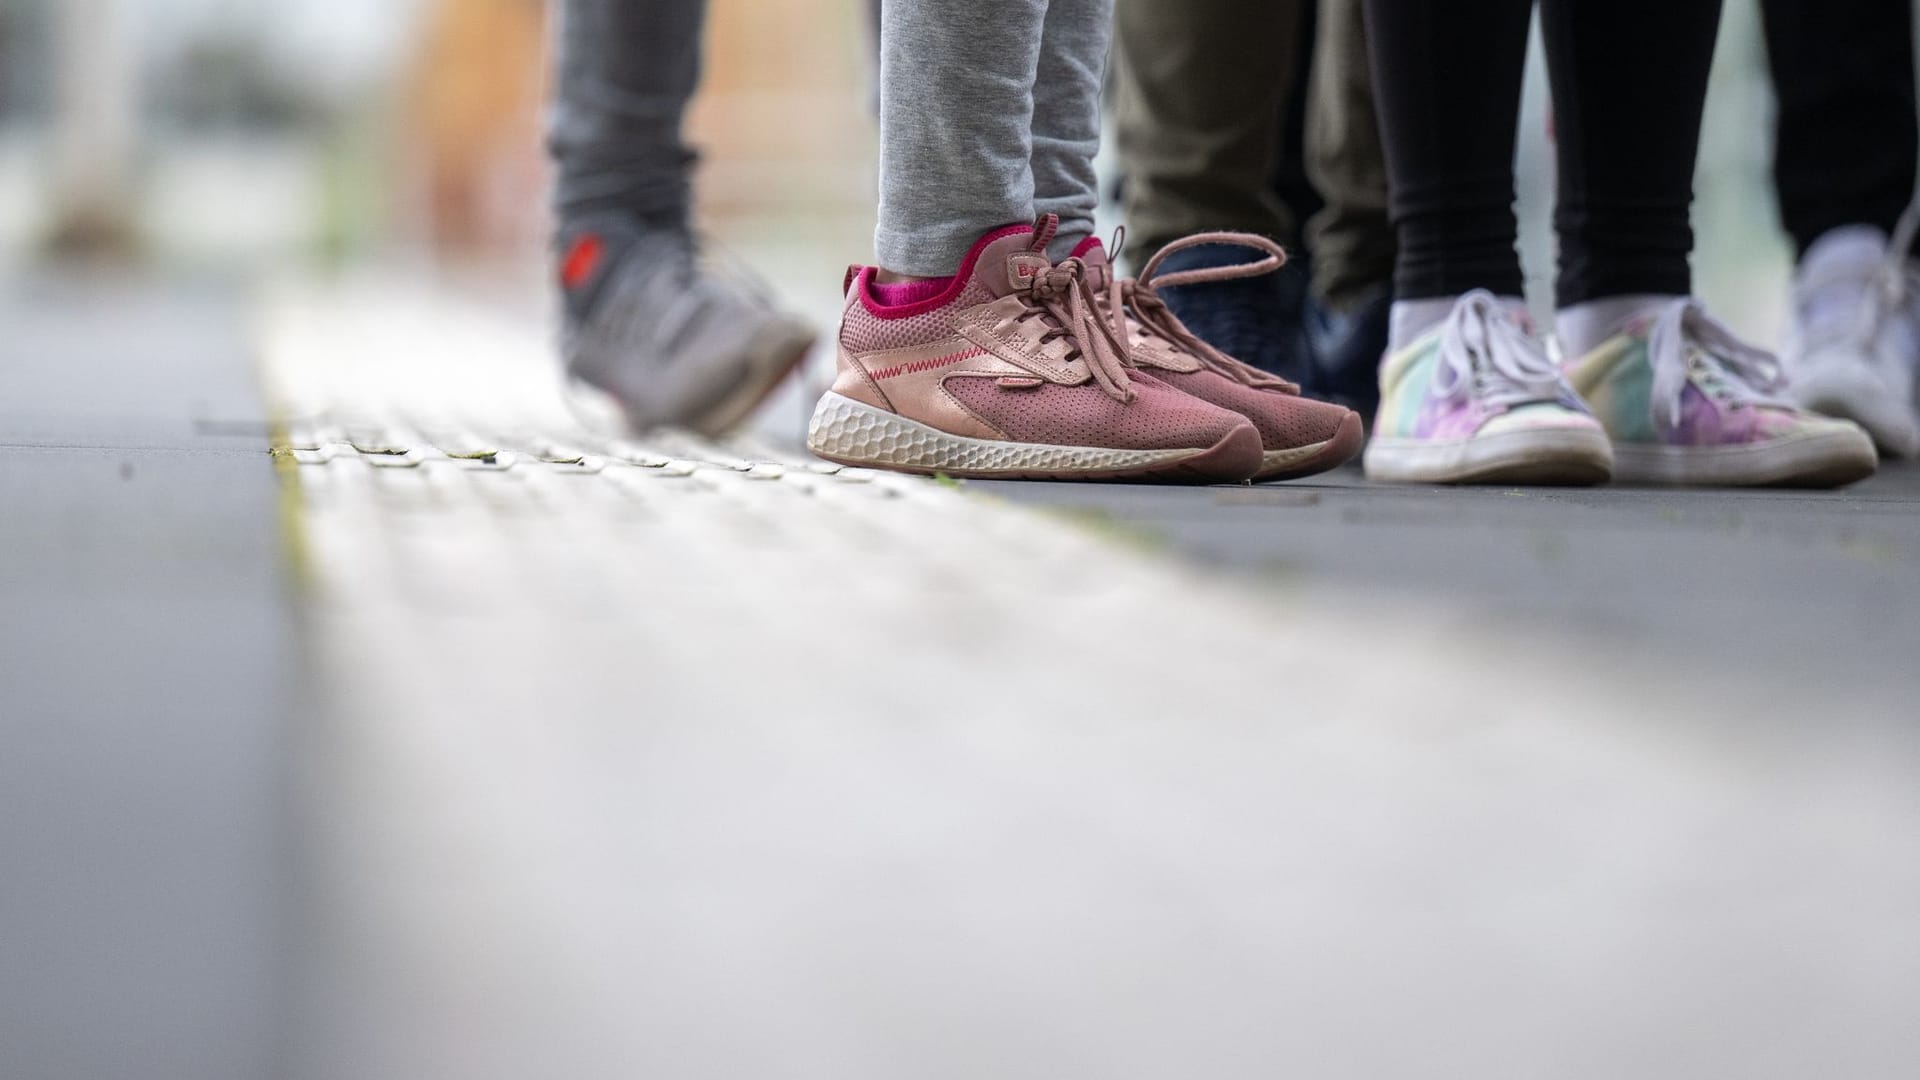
671, 343
1298, 435
1854, 342
1686, 402
1010, 369
1477, 400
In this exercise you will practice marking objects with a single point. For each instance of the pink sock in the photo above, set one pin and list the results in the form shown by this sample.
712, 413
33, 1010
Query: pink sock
907, 292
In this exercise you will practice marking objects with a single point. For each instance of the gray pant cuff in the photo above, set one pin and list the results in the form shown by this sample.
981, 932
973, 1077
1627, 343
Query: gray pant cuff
930, 252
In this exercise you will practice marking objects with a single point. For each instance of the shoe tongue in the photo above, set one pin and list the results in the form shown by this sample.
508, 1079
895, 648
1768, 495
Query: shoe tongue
1099, 268
1007, 265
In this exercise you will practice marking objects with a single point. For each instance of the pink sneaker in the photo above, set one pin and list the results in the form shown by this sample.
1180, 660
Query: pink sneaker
1010, 369
1298, 436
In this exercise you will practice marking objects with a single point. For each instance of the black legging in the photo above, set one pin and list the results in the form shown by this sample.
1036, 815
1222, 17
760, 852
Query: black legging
1846, 133
1629, 80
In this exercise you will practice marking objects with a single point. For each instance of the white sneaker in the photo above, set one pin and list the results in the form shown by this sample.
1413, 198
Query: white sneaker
1855, 339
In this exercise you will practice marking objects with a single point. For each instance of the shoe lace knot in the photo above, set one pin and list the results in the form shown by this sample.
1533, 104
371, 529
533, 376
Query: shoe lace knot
1486, 352
1060, 294
1687, 345
1141, 296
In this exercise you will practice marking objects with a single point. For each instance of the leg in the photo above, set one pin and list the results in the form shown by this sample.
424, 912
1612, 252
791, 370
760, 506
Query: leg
1447, 79
1351, 236
1201, 106
997, 360
1844, 173
1467, 392
1201, 87
1012, 361
1290, 180
625, 71
1626, 146
1684, 401
956, 126
1846, 130
1352, 239
641, 322
1066, 116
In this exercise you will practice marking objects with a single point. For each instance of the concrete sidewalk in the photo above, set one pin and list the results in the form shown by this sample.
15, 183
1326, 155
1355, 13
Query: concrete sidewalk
672, 758
669, 758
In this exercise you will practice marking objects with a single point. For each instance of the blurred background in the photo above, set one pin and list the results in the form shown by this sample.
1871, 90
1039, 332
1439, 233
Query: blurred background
240, 137
188, 136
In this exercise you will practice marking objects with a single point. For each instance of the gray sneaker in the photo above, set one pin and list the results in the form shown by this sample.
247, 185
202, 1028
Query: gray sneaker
671, 342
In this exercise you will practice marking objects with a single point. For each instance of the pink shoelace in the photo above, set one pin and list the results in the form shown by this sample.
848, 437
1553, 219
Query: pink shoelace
1061, 295
1143, 299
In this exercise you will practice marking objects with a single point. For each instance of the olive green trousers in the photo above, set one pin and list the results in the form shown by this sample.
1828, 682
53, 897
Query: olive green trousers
1202, 92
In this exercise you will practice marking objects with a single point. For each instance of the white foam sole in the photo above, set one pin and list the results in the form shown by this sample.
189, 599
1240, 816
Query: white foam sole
1815, 459
1538, 456
1275, 460
852, 432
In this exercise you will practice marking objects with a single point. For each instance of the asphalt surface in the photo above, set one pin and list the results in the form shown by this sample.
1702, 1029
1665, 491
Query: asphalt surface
1820, 587
146, 667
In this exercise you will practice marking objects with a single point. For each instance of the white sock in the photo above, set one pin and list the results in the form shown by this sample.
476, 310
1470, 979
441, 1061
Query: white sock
1408, 319
1586, 326
1411, 318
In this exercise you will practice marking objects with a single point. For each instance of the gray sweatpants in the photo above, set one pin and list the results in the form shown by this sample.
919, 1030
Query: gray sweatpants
625, 71
971, 137
989, 114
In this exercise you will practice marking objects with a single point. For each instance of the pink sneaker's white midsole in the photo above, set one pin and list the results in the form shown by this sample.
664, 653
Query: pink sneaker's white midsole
1834, 456
1540, 452
1274, 460
850, 431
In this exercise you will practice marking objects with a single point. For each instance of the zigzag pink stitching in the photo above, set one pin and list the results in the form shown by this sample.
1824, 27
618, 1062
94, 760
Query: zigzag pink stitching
928, 365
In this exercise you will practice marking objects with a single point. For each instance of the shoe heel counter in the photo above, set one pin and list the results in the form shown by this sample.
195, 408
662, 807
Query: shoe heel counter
851, 379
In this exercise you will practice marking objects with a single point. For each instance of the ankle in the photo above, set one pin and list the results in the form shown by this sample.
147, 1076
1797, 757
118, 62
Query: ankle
1409, 320
891, 289
1589, 324
884, 276
1065, 244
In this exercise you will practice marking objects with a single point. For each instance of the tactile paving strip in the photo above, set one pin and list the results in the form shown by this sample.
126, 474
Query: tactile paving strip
441, 466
